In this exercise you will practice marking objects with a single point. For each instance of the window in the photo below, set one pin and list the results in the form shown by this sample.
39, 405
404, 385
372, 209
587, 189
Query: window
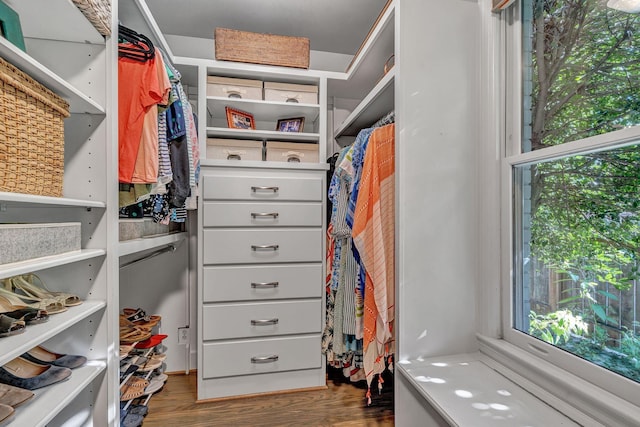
576, 189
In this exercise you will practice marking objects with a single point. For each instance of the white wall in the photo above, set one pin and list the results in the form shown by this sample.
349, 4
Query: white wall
436, 99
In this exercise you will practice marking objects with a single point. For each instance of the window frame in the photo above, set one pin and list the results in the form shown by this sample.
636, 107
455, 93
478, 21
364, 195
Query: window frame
512, 156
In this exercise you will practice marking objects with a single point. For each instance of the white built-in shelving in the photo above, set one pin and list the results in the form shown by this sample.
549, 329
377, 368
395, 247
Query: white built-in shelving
35, 264
66, 54
266, 110
366, 78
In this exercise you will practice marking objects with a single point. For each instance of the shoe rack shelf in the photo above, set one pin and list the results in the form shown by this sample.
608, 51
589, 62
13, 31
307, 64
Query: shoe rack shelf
50, 401
12, 347
22, 267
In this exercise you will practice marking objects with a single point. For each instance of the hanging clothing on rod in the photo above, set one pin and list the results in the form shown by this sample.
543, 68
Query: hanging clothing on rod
359, 335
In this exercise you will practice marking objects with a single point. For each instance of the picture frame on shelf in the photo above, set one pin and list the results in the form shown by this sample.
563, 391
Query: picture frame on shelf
295, 124
237, 119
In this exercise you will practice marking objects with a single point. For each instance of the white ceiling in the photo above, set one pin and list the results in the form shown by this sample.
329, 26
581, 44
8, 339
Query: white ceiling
331, 25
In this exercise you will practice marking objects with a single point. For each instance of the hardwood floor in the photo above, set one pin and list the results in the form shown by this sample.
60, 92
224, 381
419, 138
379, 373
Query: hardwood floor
342, 404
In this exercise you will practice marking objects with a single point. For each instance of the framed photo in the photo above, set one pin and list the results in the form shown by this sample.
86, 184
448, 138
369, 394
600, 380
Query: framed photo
291, 125
237, 119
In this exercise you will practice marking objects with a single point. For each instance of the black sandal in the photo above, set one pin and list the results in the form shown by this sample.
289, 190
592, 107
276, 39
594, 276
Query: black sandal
10, 326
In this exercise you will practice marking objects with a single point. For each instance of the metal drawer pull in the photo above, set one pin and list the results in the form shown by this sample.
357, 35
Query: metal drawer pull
272, 214
264, 322
256, 247
265, 285
274, 189
264, 359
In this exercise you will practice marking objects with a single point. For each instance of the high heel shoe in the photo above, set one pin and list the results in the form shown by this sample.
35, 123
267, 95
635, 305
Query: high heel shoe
10, 326
51, 306
32, 285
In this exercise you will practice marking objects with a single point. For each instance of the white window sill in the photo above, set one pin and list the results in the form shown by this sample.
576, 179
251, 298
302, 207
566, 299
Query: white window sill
502, 385
466, 391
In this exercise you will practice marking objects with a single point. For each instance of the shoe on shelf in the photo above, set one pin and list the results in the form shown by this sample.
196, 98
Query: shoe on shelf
133, 334
43, 356
13, 396
32, 285
139, 317
51, 306
152, 341
23, 373
6, 412
10, 326
133, 388
31, 316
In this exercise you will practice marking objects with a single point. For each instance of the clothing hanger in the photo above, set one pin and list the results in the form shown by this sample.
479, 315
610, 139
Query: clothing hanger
134, 45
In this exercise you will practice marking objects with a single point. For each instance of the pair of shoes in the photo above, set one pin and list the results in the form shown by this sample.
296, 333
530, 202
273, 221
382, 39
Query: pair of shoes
23, 373
133, 334
133, 388
51, 306
32, 286
43, 356
29, 315
139, 317
152, 341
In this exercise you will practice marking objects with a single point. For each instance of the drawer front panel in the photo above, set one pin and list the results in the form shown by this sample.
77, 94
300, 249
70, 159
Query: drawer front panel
262, 187
260, 356
239, 214
238, 246
260, 319
261, 282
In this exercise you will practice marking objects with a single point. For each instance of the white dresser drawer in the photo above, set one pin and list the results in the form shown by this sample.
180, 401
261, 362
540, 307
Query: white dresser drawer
264, 282
263, 185
262, 214
260, 356
240, 246
252, 320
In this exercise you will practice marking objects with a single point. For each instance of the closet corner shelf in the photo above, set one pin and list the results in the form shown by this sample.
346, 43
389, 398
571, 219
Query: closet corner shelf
12, 347
24, 200
270, 135
78, 101
146, 243
35, 264
55, 20
375, 105
50, 401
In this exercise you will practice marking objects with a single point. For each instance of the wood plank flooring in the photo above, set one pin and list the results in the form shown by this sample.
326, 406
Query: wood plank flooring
342, 404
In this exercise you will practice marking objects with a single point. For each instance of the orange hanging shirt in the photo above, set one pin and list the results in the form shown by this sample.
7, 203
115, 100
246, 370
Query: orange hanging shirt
138, 90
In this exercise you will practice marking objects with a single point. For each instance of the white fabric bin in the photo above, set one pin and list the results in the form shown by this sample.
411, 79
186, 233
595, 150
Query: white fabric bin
287, 92
227, 87
292, 152
234, 149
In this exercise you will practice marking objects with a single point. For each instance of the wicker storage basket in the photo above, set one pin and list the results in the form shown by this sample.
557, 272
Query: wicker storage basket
31, 135
98, 12
256, 48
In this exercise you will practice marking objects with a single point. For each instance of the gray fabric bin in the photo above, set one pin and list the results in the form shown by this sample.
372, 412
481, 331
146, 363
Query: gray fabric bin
22, 242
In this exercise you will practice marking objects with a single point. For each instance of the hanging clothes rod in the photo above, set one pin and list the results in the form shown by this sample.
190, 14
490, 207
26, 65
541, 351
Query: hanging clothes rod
168, 248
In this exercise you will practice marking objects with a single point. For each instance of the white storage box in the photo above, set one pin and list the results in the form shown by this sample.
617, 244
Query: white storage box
22, 242
287, 92
130, 228
292, 152
228, 87
234, 149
